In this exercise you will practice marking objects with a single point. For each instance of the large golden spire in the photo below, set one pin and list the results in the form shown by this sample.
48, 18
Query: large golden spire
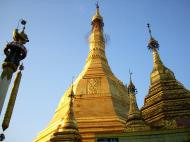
101, 100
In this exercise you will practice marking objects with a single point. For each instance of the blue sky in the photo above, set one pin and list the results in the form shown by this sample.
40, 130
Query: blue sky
57, 50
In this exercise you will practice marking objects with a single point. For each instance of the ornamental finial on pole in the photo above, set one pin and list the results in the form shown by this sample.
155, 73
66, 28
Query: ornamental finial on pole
20, 37
131, 86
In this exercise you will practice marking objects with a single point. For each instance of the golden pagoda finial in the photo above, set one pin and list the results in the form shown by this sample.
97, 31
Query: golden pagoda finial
97, 16
153, 44
131, 86
97, 9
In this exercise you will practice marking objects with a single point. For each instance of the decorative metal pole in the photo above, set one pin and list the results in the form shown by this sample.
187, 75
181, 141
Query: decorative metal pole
14, 51
12, 99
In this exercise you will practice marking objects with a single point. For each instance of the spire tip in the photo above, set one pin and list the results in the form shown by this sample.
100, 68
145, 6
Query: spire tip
153, 44
149, 30
130, 75
97, 5
72, 94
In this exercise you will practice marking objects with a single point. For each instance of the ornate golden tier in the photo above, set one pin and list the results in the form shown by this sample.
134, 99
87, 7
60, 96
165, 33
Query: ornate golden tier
101, 100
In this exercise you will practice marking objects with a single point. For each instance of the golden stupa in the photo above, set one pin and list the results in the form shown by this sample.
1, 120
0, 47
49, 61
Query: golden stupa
100, 99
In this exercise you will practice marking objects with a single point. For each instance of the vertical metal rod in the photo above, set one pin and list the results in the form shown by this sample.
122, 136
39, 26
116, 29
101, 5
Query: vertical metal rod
12, 101
4, 85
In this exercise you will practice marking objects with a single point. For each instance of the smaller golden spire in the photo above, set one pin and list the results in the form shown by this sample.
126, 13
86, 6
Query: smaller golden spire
133, 109
69, 120
135, 121
68, 131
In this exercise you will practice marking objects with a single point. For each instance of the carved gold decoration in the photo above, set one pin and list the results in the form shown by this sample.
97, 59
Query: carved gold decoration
93, 85
170, 124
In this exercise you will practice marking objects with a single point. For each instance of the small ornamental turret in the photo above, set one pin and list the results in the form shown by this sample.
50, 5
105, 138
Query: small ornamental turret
135, 121
14, 51
68, 130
